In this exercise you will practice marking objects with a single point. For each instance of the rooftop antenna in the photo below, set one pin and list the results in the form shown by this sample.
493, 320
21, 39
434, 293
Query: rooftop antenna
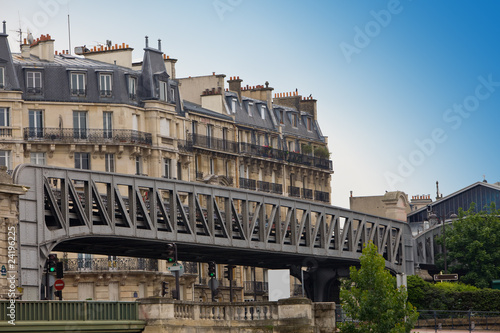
69, 33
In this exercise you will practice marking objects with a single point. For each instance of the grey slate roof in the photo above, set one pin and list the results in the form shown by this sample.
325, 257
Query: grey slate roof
192, 107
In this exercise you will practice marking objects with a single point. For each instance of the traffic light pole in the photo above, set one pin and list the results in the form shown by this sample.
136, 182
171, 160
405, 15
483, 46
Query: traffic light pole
177, 278
47, 287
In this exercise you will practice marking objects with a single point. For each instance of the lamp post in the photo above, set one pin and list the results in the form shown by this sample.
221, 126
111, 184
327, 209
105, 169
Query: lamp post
442, 218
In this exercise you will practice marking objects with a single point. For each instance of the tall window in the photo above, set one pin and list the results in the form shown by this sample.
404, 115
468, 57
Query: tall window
82, 161
138, 165
212, 166
80, 124
309, 125
294, 120
5, 159
233, 105
250, 105
179, 170
263, 112
37, 158
132, 87
282, 115
4, 117
34, 82
105, 84
78, 86
163, 90
165, 127
167, 165
2, 77
35, 123
210, 133
109, 161
107, 124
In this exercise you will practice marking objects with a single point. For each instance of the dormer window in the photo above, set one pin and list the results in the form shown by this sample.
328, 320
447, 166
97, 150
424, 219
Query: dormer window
233, 105
78, 85
263, 112
132, 87
294, 120
249, 107
163, 91
172, 95
34, 82
309, 124
2, 78
105, 85
282, 117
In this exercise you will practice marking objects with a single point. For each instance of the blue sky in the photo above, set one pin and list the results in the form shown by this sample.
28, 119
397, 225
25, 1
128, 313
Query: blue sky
408, 91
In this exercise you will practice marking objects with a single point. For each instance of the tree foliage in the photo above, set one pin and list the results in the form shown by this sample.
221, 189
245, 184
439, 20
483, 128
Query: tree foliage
370, 298
473, 246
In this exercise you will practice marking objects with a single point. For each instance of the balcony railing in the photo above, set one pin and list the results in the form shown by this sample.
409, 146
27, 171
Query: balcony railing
307, 193
263, 186
5, 131
282, 155
322, 196
249, 184
104, 264
294, 191
258, 287
70, 135
209, 142
105, 93
78, 92
276, 188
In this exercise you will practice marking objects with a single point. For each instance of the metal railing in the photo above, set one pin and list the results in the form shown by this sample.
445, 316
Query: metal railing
67, 135
210, 142
263, 186
294, 191
256, 287
78, 92
458, 320
104, 264
249, 184
307, 193
321, 196
276, 188
70, 310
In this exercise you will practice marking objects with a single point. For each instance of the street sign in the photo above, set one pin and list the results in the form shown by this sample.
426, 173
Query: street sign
59, 285
177, 268
445, 277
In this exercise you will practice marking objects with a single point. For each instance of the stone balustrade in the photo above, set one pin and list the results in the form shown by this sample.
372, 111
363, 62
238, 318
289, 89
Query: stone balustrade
298, 315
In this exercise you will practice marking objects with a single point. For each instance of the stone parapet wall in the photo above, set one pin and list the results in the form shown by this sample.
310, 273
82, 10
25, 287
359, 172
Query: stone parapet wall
297, 315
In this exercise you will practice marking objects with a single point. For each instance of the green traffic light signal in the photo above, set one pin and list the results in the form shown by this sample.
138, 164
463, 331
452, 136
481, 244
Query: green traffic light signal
52, 269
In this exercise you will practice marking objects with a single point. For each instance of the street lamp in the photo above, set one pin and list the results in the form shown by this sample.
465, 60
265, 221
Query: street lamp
433, 217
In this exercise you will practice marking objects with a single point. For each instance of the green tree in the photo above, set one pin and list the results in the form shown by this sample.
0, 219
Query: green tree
370, 298
473, 246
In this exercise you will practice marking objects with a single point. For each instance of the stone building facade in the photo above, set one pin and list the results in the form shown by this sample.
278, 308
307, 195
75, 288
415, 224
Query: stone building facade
97, 110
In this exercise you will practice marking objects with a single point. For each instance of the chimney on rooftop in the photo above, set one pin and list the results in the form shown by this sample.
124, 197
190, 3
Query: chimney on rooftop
235, 85
4, 27
159, 44
43, 48
25, 49
147, 42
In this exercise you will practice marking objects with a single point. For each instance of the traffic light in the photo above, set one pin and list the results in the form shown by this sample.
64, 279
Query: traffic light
59, 270
228, 272
164, 288
58, 294
211, 269
52, 263
171, 253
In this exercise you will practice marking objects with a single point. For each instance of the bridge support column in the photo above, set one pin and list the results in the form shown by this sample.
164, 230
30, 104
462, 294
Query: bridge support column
9, 234
322, 283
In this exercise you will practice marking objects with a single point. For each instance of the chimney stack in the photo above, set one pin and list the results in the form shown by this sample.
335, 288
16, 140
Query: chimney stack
147, 42
235, 85
159, 44
4, 27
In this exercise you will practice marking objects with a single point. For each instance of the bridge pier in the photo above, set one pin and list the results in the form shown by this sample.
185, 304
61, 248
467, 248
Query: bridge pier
322, 283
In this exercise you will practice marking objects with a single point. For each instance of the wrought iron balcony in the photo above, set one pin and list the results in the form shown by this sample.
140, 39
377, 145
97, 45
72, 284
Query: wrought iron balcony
105, 93
78, 92
283, 155
249, 184
263, 186
294, 191
307, 193
209, 142
258, 287
322, 196
276, 188
102, 136
104, 264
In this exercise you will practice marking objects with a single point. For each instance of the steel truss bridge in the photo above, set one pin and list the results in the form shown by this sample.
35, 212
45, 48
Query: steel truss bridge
114, 214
